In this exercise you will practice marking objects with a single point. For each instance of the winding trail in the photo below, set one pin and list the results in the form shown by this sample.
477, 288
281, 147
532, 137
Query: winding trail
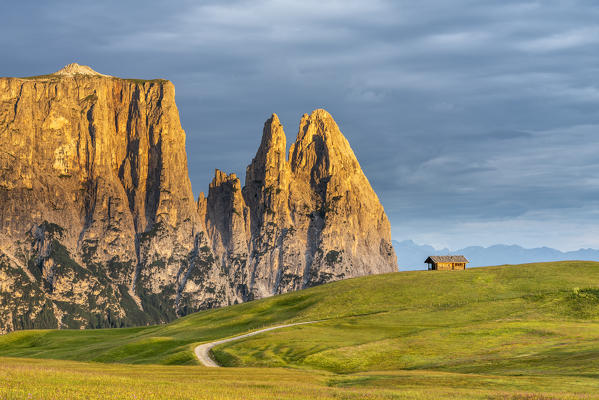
203, 351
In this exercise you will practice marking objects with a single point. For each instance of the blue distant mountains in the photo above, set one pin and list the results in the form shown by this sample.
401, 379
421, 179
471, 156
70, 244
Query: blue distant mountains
411, 256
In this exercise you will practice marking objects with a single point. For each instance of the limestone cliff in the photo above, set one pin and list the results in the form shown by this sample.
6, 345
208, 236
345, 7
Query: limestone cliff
98, 226
314, 218
95, 202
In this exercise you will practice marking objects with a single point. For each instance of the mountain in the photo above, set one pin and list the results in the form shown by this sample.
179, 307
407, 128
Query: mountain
413, 255
302, 222
99, 227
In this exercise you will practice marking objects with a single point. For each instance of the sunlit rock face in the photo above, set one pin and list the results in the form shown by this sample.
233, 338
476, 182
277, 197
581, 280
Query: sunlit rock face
98, 225
315, 217
96, 207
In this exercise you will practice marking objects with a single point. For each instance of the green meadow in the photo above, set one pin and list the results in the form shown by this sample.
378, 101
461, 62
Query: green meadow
507, 332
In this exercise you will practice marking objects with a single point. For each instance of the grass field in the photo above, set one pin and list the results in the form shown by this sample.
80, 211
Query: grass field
51, 379
497, 332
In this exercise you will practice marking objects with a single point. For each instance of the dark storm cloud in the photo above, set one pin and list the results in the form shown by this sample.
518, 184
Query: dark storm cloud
475, 121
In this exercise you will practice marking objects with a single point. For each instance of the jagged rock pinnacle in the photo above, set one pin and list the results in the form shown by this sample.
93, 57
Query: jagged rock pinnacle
76, 69
314, 218
271, 155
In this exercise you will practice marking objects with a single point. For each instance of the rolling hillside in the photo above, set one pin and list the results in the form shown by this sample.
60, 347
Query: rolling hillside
539, 322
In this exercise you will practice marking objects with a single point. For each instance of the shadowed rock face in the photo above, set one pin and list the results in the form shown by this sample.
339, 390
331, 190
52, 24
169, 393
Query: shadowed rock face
98, 226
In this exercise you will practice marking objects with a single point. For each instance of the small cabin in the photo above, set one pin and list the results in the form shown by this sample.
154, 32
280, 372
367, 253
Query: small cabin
446, 263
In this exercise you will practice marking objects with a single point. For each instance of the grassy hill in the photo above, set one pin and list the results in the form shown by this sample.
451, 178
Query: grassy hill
530, 327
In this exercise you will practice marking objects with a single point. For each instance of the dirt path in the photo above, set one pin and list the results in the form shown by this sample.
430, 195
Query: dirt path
203, 351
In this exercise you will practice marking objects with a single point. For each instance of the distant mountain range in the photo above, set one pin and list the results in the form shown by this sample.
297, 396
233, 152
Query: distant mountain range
411, 256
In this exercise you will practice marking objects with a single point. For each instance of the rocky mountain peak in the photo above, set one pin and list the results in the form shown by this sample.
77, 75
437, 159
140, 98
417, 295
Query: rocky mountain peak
221, 177
77, 69
318, 122
320, 150
270, 158
273, 139
98, 226
314, 218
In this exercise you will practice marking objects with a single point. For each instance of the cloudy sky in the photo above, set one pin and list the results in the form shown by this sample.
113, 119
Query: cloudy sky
477, 122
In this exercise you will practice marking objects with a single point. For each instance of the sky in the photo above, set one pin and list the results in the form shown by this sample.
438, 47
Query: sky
476, 121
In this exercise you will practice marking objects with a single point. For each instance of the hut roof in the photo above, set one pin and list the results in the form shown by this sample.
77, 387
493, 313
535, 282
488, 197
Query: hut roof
445, 259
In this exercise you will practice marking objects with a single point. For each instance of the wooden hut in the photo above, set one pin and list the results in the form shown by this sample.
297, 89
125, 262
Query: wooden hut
446, 263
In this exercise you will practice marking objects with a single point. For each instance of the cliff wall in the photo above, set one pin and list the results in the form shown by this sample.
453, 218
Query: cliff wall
98, 225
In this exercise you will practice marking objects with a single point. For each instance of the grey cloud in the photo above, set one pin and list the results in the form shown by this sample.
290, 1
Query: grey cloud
465, 113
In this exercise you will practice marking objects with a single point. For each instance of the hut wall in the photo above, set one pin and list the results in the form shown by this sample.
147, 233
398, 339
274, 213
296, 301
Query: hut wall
450, 266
